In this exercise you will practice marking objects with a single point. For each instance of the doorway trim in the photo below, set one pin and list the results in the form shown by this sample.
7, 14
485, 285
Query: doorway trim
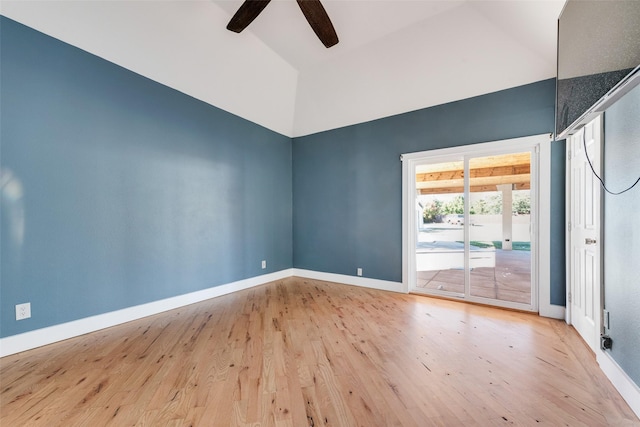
541, 273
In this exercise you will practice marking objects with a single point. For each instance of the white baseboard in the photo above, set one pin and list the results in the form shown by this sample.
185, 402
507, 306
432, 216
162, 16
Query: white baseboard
552, 311
628, 389
39, 337
365, 282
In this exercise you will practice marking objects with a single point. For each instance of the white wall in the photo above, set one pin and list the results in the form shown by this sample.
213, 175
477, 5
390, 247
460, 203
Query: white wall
468, 56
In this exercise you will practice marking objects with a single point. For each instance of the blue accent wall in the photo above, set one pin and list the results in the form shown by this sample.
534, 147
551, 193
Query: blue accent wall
118, 191
347, 183
622, 231
558, 227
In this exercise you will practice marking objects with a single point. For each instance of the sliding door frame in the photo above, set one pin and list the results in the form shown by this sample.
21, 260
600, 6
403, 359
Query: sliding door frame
540, 183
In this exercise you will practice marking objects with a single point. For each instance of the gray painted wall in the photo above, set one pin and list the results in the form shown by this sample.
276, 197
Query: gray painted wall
347, 187
119, 191
622, 231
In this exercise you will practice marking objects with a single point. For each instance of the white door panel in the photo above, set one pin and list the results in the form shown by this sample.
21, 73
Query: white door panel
584, 188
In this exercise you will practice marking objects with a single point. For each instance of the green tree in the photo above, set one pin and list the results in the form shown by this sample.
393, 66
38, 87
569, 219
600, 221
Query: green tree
488, 205
479, 207
454, 206
432, 211
495, 204
521, 202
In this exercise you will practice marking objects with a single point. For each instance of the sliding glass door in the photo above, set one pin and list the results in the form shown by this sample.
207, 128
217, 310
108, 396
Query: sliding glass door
440, 257
474, 216
500, 227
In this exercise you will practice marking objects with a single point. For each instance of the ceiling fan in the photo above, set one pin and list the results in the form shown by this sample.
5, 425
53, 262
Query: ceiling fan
312, 10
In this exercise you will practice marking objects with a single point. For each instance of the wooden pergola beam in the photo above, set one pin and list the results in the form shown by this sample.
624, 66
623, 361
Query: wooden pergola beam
475, 182
485, 173
473, 189
519, 169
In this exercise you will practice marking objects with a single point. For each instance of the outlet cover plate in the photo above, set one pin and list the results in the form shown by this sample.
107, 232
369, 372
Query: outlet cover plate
264, 264
23, 311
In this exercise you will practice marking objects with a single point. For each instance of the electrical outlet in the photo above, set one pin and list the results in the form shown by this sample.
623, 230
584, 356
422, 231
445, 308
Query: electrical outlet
23, 311
359, 271
264, 264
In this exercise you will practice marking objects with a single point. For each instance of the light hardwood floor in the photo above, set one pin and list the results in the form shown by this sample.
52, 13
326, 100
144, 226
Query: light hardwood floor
300, 352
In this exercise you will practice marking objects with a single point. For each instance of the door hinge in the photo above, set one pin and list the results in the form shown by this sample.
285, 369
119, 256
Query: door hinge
569, 154
569, 296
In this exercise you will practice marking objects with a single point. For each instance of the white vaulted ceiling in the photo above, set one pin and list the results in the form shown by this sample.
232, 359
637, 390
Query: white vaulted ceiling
394, 56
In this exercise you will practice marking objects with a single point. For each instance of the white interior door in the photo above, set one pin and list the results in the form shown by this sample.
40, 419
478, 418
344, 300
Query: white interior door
584, 225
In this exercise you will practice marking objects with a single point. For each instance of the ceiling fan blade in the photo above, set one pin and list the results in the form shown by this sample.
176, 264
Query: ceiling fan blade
319, 21
245, 15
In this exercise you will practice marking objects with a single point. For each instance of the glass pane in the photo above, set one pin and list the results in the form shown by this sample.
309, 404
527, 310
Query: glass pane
440, 219
500, 224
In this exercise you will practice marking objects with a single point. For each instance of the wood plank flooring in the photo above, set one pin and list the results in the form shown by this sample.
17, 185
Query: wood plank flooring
300, 352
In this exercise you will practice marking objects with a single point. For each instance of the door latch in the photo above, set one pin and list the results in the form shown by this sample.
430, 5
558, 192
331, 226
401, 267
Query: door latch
589, 241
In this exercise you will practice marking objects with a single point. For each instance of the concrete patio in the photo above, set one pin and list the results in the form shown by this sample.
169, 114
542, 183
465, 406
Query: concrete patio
508, 280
